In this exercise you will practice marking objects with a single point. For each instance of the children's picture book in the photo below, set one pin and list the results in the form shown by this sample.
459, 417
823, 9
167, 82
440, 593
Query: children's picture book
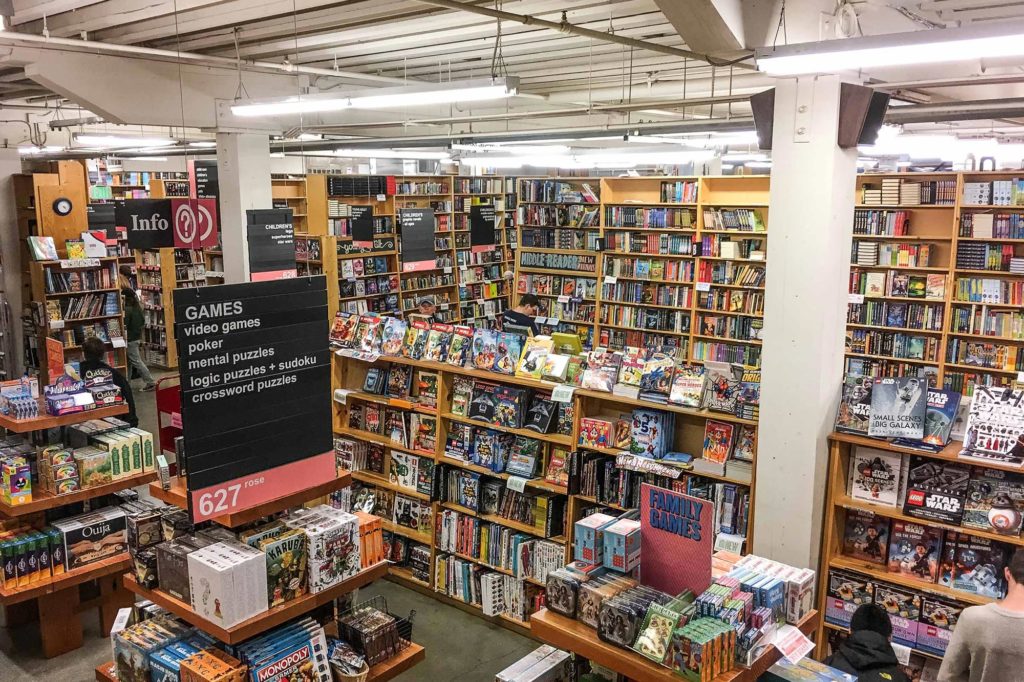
746, 443
458, 348
995, 501
557, 469
595, 433
979, 567
717, 440
42, 248
286, 566
602, 371
995, 427
854, 414
393, 336
936, 489
375, 381
875, 475
510, 406
687, 385
423, 428
484, 351
898, 406
555, 367
399, 380
368, 333
404, 469
75, 248
484, 402
459, 441
866, 536
632, 371
721, 386
438, 340
914, 550
650, 433
874, 284
535, 353
522, 461
462, 389
509, 350
940, 414
343, 329
656, 380
416, 339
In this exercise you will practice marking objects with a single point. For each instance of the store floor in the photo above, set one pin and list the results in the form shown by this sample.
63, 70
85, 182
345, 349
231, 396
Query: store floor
459, 646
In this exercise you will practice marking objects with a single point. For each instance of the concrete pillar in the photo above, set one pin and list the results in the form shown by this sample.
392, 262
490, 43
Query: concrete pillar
243, 173
10, 261
810, 227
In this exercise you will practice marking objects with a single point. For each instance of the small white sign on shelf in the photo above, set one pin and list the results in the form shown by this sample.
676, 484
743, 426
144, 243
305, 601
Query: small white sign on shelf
703, 286
516, 483
448, 270
564, 298
856, 298
563, 393
118, 342
79, 263
56, 324
609, 279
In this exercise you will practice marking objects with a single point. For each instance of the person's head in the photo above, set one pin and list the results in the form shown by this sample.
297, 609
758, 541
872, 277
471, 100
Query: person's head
125, 270
529, 304
871, 617
426, 305
93, 349
1015, 570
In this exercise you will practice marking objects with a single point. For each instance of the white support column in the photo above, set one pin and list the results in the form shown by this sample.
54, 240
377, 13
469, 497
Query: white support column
810, 231
243, 175
10, 248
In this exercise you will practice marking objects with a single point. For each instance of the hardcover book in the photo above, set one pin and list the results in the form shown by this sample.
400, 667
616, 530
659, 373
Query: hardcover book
399, 380
995, 427
866, 536
540, 417
979, 567
687, 385
458, 348
722, 382
854, 413
995, 501
602, 371
509, 350
936, 490
898, 407
717, 440
368, 333
914, 550
875, 476
484, 351
535, 352
393, 336
656, 381
940, 414
343, 329
746, 443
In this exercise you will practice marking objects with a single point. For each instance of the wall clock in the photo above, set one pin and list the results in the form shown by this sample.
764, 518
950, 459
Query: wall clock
62, 206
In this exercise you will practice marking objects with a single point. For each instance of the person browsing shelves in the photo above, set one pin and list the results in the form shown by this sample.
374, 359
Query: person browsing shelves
523, 314
92, 365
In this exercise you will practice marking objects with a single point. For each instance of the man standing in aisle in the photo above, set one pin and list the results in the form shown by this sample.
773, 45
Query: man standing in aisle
988, 641
134, 321
523, 314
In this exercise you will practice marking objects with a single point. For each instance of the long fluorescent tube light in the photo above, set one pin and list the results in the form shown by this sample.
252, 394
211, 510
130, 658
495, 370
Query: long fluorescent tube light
100, 140
412, 95
391, 154
933, 46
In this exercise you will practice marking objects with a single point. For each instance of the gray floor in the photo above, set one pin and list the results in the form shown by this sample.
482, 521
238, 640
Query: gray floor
459, 646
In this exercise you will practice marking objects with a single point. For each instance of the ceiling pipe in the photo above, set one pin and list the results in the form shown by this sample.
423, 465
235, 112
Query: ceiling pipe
9, 39
565, 27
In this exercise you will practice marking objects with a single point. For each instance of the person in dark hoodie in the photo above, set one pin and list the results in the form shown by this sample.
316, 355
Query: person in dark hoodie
867, 652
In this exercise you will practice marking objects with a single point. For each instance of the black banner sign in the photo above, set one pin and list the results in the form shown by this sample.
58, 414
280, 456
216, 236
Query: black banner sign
362, 226
256, 391
417, 239
482, 224
102, 217
271, 237
206, 179
148, 222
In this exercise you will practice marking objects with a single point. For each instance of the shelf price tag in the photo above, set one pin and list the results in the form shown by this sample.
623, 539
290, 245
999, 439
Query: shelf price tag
703, 286
79, 263
562, 393
56, 324
516, 483
856, 298
448, 270
564, 298
118, 342
609, 279
382, 197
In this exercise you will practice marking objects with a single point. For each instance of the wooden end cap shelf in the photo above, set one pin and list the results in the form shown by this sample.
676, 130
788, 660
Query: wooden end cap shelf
263, 621
178, 497
97, 569
46, 421
43, 501
572, 635
386, 670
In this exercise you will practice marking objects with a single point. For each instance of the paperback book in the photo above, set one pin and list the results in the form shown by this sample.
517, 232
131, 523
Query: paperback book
393, 336
898, 406
656, 381
866, 536
687, 385
854, 415
995, 427
717, 440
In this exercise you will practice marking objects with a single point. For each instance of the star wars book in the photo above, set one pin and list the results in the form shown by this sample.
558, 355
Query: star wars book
995, 427
855, 405
995, 501
687, 385
875, 476
866, 536
898, 407
393, 336
286, 566
979, 567
940, 414
914, 550
438, 340
936, 490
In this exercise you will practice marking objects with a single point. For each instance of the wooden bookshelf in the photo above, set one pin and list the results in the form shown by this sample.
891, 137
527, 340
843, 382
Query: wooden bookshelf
483, 288
434, 192
177, 495
572, 635
160, 272
263, 621
41, 501
315, 255
838, 503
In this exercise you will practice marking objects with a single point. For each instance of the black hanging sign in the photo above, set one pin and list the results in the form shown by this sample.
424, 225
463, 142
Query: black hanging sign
482, 224
205, 179
255, 392
148, 222
417, 239
101, 218
271, 237
362, 226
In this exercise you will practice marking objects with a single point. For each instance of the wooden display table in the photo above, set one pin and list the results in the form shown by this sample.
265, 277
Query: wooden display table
572, 635
41, 501
46, 421
178, 497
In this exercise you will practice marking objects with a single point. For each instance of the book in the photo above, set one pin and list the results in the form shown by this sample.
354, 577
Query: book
745, 448
875, 476
656, 380
484, 349
874, 284
602, 371
483, 402
75, 248
286, 566
940, 414
936, 489
399, 380
995, 426
458, 442
935, 287
914, 550
687, 385
510, 406
866, 536
979, 567
523, 459
898, 407
343, 329
438, 339
557, 471
42, 248
404, 469
458, 348
854, 411
423, 429
555, 366
375, 381
540, 416
462, 390
425, 387
717, 440
650, 433
416, 339
995, 501
721, 386
633, 360
595, 433
368, 333
509, 350
393, 336
535, 352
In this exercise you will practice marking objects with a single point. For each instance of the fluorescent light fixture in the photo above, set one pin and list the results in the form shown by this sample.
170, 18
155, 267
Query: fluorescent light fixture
309, 137
145, 158
104, 140
277, 155
935, 46
744, 157
203, 144
422, 94
592, 159
391, 154
49, 149
758, 164
543, 149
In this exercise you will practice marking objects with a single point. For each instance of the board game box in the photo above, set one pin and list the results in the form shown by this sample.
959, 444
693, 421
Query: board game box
938, 619
846, 592
286, 566
904, 609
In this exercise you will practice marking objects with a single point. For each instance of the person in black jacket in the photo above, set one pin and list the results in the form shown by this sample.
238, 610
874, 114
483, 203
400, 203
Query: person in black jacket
92, 366
867, 652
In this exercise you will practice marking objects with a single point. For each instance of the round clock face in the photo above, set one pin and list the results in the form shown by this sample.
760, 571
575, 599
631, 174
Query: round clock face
62, 206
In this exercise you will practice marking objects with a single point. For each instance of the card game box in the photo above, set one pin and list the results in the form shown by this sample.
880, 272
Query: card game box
589, 534
904, 609
93, 536
622, 545
227, 582
866, 536
286, 566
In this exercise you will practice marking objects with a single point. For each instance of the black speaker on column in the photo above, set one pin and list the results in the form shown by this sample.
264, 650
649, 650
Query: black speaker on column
861, 114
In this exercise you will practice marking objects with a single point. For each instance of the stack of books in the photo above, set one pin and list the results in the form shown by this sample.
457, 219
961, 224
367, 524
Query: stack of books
872, 196
1017, 265
891, 191
866, 253
910, 193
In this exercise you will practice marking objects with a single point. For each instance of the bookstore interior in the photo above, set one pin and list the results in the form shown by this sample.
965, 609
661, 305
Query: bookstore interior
431, 340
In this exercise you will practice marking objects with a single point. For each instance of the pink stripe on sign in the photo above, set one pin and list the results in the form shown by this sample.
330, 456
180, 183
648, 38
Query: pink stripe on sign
253, 490
272, 274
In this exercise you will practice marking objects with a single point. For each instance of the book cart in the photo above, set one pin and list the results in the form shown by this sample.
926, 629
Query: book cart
932, 288
55, 602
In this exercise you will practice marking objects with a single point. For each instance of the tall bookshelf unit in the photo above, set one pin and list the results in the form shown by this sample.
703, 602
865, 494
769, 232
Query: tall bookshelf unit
160, 272
955, 317
483, 290
433, 192
368, 279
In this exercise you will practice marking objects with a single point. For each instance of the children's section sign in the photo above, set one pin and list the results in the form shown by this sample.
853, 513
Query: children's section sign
676, 537
417, 225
